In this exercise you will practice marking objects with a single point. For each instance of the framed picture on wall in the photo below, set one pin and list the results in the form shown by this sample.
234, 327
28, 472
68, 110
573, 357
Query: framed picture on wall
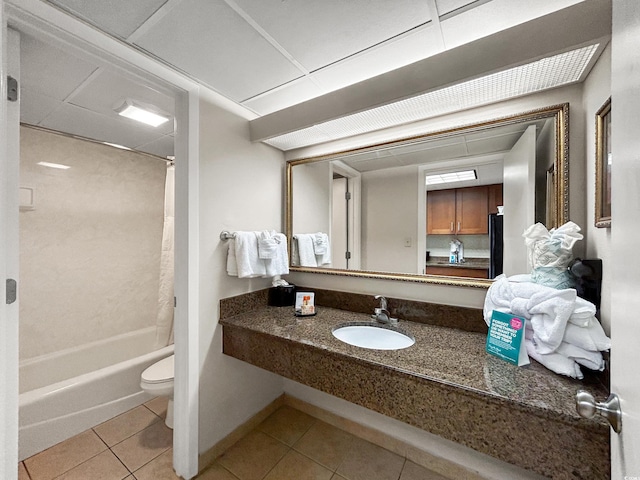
603, 166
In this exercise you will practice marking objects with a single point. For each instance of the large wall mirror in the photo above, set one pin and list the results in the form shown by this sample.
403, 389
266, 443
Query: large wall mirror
446, 207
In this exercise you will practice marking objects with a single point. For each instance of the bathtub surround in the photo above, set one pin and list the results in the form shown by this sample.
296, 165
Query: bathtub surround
446, 385
90, 249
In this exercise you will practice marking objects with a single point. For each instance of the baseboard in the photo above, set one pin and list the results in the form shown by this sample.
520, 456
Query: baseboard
207, 458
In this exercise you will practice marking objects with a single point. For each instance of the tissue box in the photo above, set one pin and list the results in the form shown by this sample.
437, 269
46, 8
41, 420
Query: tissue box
282, 296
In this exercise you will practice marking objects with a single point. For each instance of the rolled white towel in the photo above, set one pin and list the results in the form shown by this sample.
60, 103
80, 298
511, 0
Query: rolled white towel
591, 338
555, 362
591, 360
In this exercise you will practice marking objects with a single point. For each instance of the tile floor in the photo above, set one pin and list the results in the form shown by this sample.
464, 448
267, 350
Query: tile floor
288, 445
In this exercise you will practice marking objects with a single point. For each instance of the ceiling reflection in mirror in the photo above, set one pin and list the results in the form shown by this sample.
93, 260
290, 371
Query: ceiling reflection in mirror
369, 212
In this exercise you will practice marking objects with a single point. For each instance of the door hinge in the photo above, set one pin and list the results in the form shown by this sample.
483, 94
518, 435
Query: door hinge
347, 255
12, 290
175, 302
12, 89
347, 195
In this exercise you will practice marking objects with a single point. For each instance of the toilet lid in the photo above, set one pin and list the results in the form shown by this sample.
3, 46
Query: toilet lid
159, 372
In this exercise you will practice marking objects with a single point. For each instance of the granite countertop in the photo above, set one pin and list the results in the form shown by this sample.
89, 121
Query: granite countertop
445, 355
476, 263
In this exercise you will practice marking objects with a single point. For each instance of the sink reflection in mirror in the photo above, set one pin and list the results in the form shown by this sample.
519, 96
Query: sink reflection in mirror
373, 336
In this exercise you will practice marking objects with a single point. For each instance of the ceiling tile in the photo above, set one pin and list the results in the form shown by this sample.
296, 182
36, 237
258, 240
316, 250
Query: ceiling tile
117, 17
34, 107
493, 144
78, 121
448, 6
318, 33
444, 152
374, 164
214, 44
163, 146
108, 90
49, 71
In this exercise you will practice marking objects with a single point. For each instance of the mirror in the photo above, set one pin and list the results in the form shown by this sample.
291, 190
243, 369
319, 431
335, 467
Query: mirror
369, 212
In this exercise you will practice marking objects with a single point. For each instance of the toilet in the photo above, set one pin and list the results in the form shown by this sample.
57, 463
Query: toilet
158, 381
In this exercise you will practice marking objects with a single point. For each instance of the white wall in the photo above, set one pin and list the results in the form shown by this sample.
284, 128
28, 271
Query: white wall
389, 216
597, 89
312, 190
241, 187
90, 250
463, 296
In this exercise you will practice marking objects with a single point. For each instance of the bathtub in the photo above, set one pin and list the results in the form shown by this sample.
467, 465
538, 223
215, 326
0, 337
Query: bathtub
68, 392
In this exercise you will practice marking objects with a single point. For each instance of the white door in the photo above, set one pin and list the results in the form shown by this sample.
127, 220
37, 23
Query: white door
518, 199
9, 204
625, 234
339, 223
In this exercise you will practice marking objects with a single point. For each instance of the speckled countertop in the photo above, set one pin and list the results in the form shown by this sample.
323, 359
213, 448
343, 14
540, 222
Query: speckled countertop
479, 263
444, 355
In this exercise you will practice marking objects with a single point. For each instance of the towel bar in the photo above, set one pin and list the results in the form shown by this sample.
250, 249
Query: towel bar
224, 235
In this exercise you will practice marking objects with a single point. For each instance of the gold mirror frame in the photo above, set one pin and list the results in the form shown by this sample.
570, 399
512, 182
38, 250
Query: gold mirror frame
561, 188
603, 176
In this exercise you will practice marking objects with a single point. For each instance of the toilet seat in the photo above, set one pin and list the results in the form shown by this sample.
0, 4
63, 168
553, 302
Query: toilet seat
159, 372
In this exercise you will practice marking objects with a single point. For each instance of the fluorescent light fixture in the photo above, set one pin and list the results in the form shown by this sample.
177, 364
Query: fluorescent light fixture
54, 165
450, 177
543, 74
116, 145
136, 111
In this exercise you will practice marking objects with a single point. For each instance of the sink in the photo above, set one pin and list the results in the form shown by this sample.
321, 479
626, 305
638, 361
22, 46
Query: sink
373, 336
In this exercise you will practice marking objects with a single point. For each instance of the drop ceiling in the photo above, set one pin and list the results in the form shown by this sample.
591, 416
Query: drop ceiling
264, 55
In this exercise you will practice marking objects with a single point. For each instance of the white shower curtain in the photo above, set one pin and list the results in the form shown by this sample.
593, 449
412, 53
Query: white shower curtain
164, 320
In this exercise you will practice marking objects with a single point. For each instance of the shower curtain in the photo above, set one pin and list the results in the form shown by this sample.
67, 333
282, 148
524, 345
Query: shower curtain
164, 320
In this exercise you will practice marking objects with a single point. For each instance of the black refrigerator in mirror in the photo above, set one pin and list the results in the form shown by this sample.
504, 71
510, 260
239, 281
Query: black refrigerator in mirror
496, 223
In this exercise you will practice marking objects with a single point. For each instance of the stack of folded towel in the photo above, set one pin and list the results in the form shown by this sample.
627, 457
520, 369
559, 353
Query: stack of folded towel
311, 249
562, 330
257, 254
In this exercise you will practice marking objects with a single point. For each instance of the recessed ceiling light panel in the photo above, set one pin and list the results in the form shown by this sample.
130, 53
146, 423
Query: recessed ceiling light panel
54, 165
450, 177
140, 113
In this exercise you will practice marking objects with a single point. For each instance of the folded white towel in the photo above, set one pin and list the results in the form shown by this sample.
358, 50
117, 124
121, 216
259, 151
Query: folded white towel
267, 245
279, 264
591, 338
323, 258
591, 360
320, 243
232, 263
555, 362
305, 253
249, 263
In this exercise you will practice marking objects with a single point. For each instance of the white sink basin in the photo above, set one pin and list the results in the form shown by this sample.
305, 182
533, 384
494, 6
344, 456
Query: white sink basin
376, 337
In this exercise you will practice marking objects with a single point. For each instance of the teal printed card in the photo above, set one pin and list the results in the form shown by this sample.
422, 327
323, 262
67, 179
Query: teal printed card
506, 338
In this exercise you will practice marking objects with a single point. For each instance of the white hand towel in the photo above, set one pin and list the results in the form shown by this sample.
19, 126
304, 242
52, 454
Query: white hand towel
591, 338
324, 258
584, 313
320, 243
279, 264
591, 360
555, 362
249, 263
267, 245
306, 254
232, 263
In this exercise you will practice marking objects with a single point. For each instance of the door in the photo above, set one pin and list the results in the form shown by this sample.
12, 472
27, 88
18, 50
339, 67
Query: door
9, 204
339, 224
519, 196
625, 230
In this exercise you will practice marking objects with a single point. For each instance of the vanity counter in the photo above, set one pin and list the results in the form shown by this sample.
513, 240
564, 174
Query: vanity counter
445, 384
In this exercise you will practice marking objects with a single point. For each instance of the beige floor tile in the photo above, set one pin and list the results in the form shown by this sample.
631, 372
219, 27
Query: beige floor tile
325, 444
64, 456
104, 466
144, 446
123, 426
158, 406
252, 457
337, 477
412, 471
287, 424
160, 468
366, 461
22, 472
216, 472
295, 466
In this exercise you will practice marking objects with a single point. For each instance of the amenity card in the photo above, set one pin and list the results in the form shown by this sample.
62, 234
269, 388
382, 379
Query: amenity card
506, 338
305, 303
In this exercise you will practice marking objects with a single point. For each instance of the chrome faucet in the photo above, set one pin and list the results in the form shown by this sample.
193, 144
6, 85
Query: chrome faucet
381, 314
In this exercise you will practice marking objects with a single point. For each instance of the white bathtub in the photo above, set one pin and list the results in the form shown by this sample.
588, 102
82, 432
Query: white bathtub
65, 393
